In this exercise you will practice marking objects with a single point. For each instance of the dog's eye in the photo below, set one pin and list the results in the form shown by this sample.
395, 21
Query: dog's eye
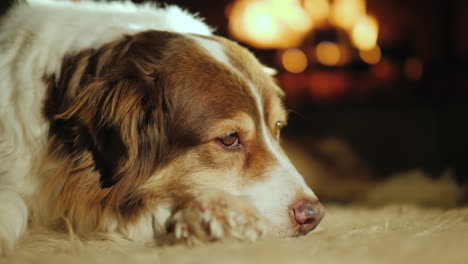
278, 126
230, 140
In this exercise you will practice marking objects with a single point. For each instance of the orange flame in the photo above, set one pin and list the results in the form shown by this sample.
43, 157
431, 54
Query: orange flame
345, 13
269, 24
365, 33
284, 24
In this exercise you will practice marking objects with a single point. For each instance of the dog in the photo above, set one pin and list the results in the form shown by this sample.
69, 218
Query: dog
137, 121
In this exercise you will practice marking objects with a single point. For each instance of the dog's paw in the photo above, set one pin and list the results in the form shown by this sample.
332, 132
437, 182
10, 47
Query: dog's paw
217, 216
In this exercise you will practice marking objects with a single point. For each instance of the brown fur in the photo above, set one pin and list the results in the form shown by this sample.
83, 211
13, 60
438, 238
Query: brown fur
128, 111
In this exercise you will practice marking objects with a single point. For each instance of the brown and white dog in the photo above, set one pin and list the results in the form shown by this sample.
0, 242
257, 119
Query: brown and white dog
137, 121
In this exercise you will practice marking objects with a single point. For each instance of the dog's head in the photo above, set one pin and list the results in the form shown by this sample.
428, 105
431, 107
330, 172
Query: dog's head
154, 118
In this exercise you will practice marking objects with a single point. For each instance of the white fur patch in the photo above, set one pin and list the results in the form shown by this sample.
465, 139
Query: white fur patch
270, 71
13, 219
214, 49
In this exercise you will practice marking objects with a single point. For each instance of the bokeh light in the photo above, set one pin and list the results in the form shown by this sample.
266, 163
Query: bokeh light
371, 56
345, 13
317, 9
328, 53
269, 24
283, 24
260, 22
365, 33
291, 15
294, 60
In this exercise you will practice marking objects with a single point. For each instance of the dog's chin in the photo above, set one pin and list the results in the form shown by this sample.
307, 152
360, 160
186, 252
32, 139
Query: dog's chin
283, 232
288, 228
291, 230
283, 229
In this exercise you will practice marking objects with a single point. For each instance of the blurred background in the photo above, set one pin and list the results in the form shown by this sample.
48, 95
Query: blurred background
377, 89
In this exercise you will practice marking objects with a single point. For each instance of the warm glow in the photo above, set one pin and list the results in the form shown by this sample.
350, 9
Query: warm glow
371, 56
284, 24
413, 69
345, 13
291, 14
255, 23
328, 53
317, 9
260, 22
269, 24
294, 60
365, 33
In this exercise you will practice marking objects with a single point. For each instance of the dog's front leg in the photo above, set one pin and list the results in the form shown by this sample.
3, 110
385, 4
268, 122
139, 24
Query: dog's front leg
13, 219
216, 215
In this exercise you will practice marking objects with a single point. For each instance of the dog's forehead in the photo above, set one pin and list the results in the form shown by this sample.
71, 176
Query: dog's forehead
242, 61
237, 63
207, 78
210, 82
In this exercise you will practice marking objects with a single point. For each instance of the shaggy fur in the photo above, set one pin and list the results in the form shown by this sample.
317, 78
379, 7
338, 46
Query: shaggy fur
134, 121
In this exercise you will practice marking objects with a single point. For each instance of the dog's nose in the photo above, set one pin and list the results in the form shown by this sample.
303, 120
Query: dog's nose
308, 214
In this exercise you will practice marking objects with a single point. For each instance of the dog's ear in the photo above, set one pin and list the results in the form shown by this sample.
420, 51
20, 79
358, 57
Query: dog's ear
122, 120
109, 115
116, 110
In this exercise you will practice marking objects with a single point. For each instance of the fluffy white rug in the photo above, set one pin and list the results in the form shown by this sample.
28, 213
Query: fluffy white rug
349, 234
